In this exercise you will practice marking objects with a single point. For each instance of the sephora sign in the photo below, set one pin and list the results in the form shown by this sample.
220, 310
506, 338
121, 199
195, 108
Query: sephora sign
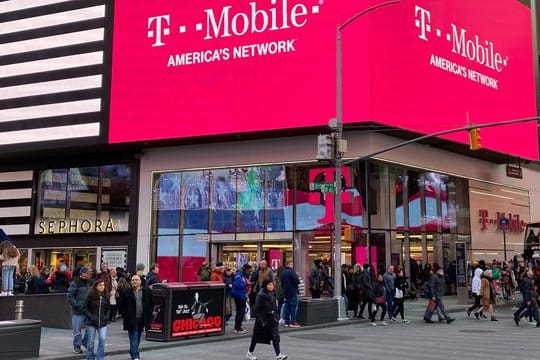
195, 68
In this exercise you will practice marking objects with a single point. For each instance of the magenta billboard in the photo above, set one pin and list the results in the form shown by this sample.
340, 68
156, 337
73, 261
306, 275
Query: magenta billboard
198, 68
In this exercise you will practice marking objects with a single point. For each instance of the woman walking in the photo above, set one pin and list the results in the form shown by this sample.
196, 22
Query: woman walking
266, 327
379, 299
96, 313
399, 296
475, 289
9, 255
488, 295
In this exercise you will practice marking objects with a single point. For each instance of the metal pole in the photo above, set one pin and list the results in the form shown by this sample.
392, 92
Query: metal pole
504, 242
338, 161
342, 311
19, 309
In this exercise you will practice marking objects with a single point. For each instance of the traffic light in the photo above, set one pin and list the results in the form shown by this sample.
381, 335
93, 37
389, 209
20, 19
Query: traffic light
325, 147
474, 136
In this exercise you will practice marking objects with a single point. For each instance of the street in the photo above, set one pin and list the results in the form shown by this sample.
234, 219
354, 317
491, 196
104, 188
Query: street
466, 338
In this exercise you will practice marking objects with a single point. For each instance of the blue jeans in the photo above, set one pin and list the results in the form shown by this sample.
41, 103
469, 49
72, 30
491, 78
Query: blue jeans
7, 278
77, 323
135, 339
290, 306
91, 335
390, 304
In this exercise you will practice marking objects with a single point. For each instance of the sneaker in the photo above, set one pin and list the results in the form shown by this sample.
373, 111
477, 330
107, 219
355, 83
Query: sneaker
240, 331
516, 320
77, 350
405, 321
250, 356
281, 321
287, 325
393, 318
448, 321
294, 325
384, 323
282, 356
373, 324
468, 312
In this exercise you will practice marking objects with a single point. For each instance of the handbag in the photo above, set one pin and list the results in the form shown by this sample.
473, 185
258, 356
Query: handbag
398, 294
247, 315
379, 300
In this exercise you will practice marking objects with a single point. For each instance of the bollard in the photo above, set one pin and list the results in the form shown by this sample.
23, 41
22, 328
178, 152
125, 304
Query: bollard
19, 309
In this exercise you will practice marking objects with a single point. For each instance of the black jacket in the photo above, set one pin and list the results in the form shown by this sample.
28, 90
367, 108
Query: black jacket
266, 326
367, 284
128, 308
527, 288
77, 293
436, 286
96, 311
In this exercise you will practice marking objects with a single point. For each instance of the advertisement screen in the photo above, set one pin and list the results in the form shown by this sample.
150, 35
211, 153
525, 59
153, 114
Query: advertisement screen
198, 68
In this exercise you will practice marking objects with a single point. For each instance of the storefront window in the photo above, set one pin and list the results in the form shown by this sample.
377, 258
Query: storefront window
278, 198
414, 200
167, 257
83, 200
194, 194
167, 203
250, 198
194, 250
223, 201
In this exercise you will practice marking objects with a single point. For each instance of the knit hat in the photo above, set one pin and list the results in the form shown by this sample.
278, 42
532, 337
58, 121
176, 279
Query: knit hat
84, 269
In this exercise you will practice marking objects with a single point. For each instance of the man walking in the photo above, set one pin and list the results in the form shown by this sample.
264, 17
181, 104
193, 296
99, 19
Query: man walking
437, 292
367, 291
239, 293
289, 284
390, 289
528, 292
77, 293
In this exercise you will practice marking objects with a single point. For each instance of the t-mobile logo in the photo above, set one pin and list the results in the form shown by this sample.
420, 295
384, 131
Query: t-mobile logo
423, 20
158, 26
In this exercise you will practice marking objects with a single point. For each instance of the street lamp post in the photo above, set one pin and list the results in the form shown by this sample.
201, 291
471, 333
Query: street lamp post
338, 159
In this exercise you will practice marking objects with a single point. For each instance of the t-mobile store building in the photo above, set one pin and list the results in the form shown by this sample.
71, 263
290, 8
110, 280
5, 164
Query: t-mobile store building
238, 92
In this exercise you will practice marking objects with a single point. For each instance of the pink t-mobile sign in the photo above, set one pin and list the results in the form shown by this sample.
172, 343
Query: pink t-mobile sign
196, 68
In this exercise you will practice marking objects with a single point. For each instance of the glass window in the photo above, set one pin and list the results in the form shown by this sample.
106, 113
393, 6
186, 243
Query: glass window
278, 198
83, 200
250, 198
166, 203
193, 254
167, 257
195, 201
223, 200
414, 202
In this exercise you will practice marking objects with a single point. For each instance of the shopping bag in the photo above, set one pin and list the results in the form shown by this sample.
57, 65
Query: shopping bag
432, 305
247, 315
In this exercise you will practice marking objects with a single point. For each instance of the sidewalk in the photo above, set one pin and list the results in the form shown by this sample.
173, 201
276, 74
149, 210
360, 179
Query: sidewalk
57, 343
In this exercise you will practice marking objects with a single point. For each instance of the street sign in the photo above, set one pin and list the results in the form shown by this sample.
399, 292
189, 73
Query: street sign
323, 187
503, 222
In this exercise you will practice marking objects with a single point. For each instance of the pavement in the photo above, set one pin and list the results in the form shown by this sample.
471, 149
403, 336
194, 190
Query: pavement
57, 343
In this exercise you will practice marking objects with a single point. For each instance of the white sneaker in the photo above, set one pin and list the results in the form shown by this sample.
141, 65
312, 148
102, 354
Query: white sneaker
405, 321
384, 323
250, 356
281, 321
282, 356
373, 324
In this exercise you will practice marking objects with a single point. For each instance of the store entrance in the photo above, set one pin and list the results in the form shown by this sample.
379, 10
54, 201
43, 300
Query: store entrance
236, 255
72, 258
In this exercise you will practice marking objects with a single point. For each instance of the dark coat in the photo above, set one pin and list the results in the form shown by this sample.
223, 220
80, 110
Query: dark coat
77, 293
96, 311
367, 284
128, 308
289, 283
152, 278
266, 326
436, 286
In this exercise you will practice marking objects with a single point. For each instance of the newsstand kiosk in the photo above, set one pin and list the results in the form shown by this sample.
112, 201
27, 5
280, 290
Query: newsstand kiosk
183, 310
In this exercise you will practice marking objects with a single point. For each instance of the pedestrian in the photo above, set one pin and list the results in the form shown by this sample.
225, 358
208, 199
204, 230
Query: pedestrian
379, 297
217, 273
113, 306
136, 307
437, 293
42, 287
77, 292
529, 304
347, 286
96, 312
228, 280
153, 276
389, 277
239, 293
204, 271
266, 328
475, 289
105, 275
32, 282
9, 255
316, 279
487, 293
401, 285
139, 270
290, 283
60, 280
357, 281
367, 292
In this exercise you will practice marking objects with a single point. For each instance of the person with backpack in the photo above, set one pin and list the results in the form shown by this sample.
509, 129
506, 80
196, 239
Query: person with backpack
239, 293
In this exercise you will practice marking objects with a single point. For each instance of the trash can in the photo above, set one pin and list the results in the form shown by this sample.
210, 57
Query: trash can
20, 339
183, 310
